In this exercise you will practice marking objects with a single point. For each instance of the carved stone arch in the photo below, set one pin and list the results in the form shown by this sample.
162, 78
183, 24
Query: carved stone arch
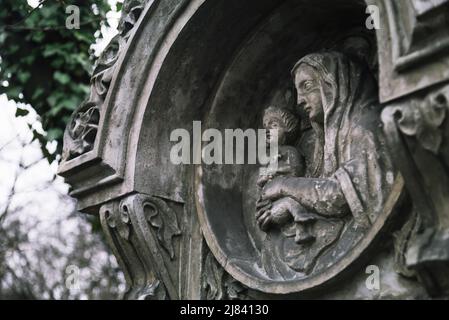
175, 62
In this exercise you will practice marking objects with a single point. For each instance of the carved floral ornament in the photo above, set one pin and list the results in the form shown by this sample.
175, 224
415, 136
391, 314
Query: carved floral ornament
423, 120
156, 213
142, 231
81, 132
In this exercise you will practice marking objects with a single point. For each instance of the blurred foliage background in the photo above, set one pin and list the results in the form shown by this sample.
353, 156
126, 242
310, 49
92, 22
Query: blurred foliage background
44, 71
46, 65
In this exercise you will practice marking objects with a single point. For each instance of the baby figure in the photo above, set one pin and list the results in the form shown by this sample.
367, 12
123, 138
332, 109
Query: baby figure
290, 163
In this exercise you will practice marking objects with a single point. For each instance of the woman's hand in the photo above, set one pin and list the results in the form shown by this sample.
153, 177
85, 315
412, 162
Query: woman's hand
263, 211
272, 215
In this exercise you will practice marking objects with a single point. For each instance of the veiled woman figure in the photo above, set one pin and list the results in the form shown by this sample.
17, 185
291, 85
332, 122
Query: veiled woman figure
351, 174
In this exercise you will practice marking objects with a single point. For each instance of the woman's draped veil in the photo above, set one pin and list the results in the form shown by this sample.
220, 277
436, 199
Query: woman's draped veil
353, 149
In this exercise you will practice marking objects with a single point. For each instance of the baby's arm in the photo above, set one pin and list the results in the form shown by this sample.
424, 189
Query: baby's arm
291, 162
264, 177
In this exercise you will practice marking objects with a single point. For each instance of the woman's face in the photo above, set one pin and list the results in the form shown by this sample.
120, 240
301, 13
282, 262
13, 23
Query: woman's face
309, 93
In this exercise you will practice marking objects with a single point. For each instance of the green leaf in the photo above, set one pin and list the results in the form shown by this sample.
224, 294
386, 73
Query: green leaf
53, 99
37, 94
21, 112
23, 77
61, 77
14, 48
71, 103
29, 59
54, 134
13, 92
38, 36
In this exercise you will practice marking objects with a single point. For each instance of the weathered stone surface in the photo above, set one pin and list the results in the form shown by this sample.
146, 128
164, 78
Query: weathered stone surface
355, 191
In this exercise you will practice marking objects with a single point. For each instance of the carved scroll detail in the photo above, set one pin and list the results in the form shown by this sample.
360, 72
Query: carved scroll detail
218, 284
128, 227
162, 218
423, 120
418, 133
81, 131
403, 240
141, 280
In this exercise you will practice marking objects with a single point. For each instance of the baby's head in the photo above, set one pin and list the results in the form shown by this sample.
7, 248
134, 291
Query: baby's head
284, 121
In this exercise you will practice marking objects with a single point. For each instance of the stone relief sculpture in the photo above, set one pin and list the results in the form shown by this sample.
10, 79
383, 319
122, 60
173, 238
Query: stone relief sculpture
352, 174
233, 232
292, 218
